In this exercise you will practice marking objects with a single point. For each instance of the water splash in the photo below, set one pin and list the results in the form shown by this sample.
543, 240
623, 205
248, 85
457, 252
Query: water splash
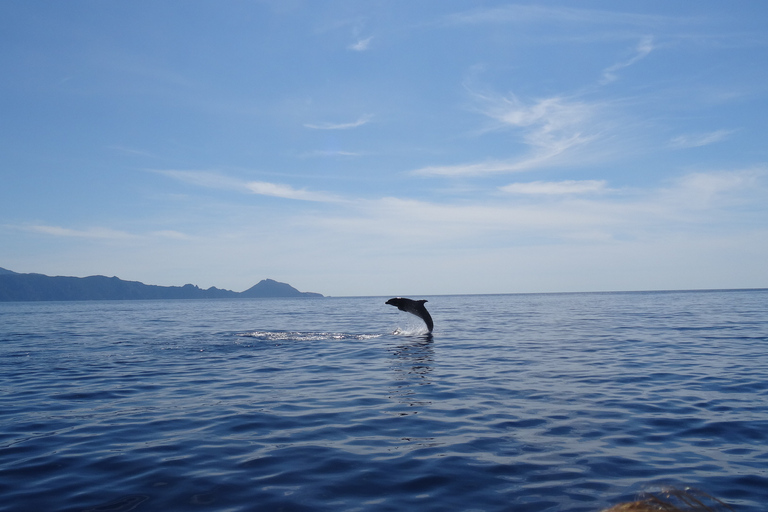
304, 336
411, 330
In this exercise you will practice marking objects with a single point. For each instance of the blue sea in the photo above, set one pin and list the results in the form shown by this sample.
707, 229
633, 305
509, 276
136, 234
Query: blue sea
541, 402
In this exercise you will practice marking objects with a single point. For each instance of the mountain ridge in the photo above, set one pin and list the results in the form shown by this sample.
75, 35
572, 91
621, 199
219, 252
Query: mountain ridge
40, 287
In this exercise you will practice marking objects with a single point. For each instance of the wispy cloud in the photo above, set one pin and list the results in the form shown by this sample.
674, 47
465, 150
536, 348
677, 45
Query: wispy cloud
489, 230
329, 153
568, 187
535, 160
550, 127
288, 192
557, 130
215, 180
564, 210
393, 218
476, 169
708, 190
699, 139
356, 25
92, 233
339, 126
644, 47
695, 198
549, 115
102, 233
361, 45
526, 14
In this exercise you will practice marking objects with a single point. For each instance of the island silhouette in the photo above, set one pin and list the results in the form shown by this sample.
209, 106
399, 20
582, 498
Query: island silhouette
15, 286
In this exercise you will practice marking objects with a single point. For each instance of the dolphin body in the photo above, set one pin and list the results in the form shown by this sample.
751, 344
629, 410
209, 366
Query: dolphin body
415, 307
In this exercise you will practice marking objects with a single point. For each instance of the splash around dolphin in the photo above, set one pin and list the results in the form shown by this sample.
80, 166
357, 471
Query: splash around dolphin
415, 307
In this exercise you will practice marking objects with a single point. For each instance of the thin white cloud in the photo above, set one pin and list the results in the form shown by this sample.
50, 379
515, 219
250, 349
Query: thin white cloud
708, 190
538, 159
477, 169
548, 114
92, 233
416, 222
288, 192
484, 232
520, 14
699, 139
340, 126
327, 153
207, 179
102, 233
644, 47
361, 45
550, 127
567, 187
585, 209
567, 210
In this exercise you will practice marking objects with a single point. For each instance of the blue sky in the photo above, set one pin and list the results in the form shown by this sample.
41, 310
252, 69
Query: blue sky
387, 148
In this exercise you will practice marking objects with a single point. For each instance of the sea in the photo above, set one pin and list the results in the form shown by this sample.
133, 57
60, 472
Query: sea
520, 402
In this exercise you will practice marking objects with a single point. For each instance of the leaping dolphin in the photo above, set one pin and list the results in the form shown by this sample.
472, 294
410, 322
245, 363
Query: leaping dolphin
415, 307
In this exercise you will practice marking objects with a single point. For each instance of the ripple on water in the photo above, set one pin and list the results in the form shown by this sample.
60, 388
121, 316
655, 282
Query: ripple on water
556, 403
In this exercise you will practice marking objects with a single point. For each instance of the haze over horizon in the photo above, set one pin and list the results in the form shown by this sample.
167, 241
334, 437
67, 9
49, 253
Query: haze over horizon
387, 148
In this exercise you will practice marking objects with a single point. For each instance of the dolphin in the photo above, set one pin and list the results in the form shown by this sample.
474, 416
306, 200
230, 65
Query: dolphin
415, 307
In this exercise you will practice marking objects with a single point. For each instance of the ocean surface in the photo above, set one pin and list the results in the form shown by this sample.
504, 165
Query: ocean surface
542, 402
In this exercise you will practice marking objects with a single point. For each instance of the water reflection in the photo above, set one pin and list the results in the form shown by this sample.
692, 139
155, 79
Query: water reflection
412, 367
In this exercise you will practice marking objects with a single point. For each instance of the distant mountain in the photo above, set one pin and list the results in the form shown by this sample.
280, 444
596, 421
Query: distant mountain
39, 287
271, 288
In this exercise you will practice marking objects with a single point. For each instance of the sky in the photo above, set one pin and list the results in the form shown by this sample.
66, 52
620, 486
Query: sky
359, 148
